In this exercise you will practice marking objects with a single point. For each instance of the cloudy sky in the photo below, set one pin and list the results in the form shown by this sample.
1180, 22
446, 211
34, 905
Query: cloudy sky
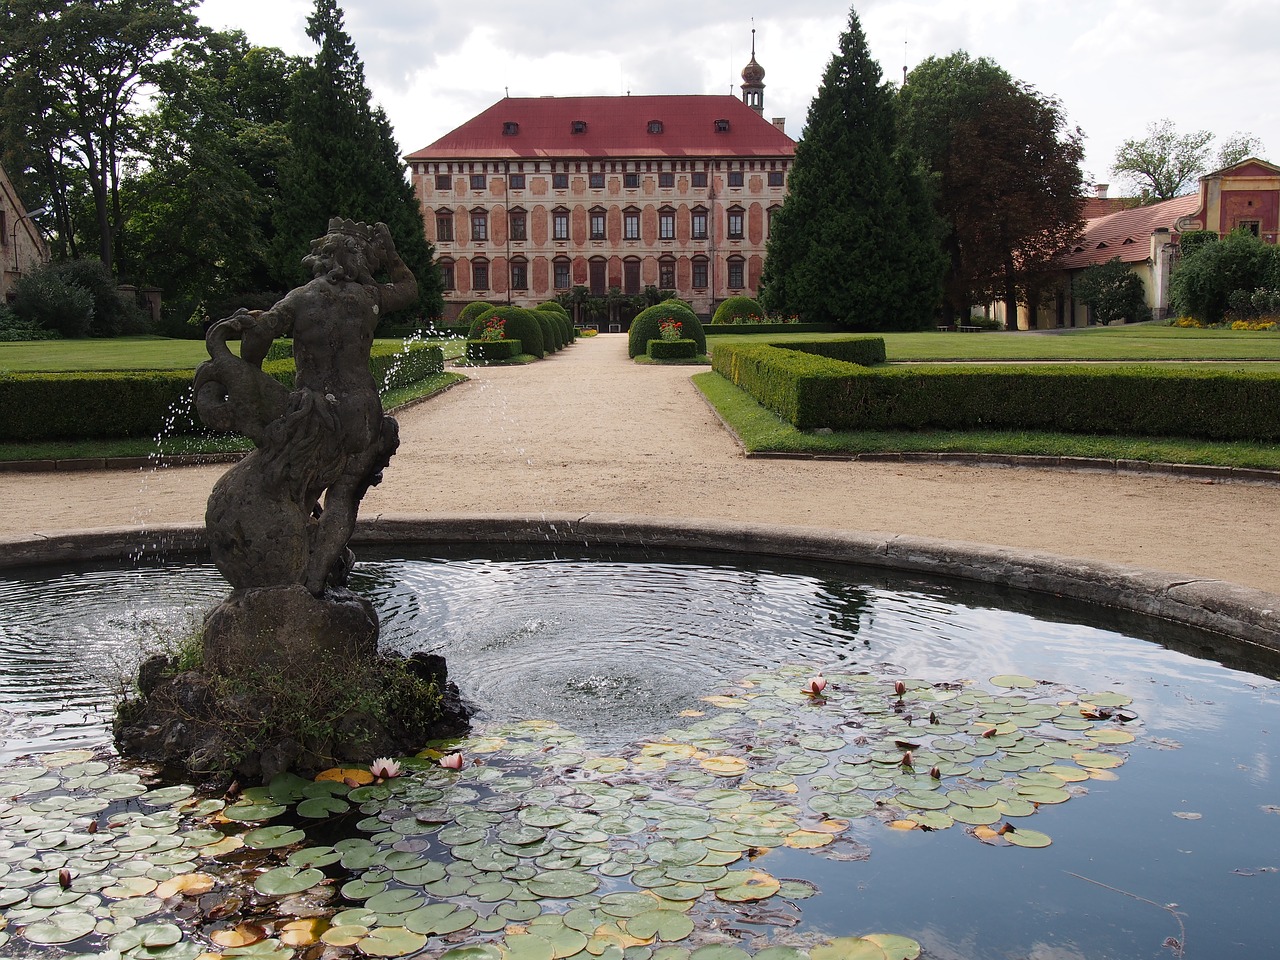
1116, 65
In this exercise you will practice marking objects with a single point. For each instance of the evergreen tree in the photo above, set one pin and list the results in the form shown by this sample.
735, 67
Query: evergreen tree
345, 162
856, 241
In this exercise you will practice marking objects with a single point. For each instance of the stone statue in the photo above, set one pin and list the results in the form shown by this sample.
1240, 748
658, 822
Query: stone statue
325, 437
290, 675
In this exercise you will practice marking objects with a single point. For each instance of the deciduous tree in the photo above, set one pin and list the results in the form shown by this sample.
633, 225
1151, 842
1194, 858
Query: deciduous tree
72, 72
1166, 163
856, 240
1114, 292
1007, 170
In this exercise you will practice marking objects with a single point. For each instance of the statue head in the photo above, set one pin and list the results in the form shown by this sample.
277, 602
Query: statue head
350, 251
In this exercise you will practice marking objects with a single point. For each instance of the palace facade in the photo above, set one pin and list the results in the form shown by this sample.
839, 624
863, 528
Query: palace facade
536, 196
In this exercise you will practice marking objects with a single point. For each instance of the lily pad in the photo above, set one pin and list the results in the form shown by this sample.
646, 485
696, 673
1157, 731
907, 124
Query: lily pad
59, 928
268, 838
561, 884
391, 942
283, 881
668, 925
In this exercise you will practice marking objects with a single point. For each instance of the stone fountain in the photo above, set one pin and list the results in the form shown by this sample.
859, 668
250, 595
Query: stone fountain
286, 672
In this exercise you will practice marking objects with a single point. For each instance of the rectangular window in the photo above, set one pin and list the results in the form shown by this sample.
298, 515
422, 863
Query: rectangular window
480, 275
444, 228
700, 274
518, 231
666, 179
631, 180
735, 224
777, 178
698, 225
667, 274
597, 224
630, 225
519, 275
560, 225
561, 272
560, 181
631, 277
477, 181
442, 182
666, 225
479, 225
735, 275
700, 179
446, 271
735, 178
517, 181
596, 270
596, 181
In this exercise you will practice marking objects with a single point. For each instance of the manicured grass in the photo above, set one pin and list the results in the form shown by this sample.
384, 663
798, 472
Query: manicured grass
172, 446
1134, 343
129, 353
761, 431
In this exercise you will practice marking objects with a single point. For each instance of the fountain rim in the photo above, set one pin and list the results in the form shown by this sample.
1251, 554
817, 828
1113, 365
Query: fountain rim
1244, 615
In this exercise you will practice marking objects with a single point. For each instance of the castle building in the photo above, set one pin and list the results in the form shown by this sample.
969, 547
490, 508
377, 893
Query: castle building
538, 195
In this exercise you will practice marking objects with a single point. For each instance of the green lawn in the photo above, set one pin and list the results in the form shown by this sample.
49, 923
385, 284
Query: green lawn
1134, 343
126, 353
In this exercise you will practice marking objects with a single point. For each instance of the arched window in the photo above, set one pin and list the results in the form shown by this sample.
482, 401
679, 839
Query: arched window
735, 222
666, 223
444, 225
598, 215
519, 273
446, 271
737, 273
700, 273
480, 274
667, 273
518, 221
560, 223
479, 224
560, 273
698, 223
631, 276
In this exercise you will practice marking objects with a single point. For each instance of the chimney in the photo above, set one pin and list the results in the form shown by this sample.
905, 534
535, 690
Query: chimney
780, 123
1100, 190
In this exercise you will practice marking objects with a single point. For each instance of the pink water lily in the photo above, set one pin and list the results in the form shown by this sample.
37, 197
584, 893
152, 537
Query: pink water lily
451, 761
815, 685
385, 768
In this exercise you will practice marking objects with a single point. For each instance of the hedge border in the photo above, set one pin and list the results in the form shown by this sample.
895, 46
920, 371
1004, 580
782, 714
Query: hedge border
672, 349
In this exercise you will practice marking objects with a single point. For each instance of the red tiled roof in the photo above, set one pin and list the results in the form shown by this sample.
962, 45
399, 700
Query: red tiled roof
1125, 234
615, 127
1095, 207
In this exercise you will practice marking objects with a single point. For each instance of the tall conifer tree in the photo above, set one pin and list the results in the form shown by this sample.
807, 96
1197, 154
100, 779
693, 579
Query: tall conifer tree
856, 241
346, 162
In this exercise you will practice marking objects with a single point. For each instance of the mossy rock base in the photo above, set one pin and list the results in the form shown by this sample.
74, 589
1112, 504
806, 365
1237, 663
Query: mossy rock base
287, 682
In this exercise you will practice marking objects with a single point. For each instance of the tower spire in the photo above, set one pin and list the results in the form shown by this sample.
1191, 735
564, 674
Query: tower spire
753, 79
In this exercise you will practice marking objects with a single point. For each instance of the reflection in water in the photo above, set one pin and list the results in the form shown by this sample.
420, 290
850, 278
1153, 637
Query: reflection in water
616, 649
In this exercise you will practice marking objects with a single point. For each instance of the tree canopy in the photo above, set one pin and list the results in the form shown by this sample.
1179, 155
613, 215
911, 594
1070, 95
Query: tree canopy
72, 72
345, 161
1007, 171
1215, 274
1166, 163
856, 240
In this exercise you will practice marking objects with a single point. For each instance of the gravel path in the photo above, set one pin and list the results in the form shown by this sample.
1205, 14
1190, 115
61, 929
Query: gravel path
587, 431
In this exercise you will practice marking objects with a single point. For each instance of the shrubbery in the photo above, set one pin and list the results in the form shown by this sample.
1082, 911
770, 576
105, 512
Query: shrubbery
810, 391
647, 326
473, 310
492, 351
1114, 292
738, 308
43, 299
672, 349
85, 405
1206, 279
521, 324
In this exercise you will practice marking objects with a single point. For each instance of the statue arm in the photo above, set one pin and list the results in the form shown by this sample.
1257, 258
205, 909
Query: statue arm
402, 291
258, 329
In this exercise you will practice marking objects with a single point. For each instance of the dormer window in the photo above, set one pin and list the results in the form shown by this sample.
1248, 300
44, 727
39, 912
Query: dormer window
510, 128
655, 126
722, 126
578, 126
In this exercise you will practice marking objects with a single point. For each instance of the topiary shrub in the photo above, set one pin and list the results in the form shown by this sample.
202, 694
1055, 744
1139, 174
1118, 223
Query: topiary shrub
672, 349
737, 308
645, 326
552, 333
482, 352
521, 324
473, 310
562, 316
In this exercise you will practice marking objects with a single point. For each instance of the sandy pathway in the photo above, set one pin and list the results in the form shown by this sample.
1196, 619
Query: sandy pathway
587, 430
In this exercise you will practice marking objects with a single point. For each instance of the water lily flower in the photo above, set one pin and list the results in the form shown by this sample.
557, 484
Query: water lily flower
935, 773
815, 685
385, 767
899, 688
451, 761
907, 759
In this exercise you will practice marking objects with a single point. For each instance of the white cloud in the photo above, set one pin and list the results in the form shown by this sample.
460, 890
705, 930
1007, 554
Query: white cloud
1116, 65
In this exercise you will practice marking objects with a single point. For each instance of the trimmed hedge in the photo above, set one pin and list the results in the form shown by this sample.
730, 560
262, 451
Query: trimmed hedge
552, 333
811, 391
864, 351
79, 406
735, 307
561, 316
647, 326
472, 310
714, 330
672, 349
492, 351
521, 324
